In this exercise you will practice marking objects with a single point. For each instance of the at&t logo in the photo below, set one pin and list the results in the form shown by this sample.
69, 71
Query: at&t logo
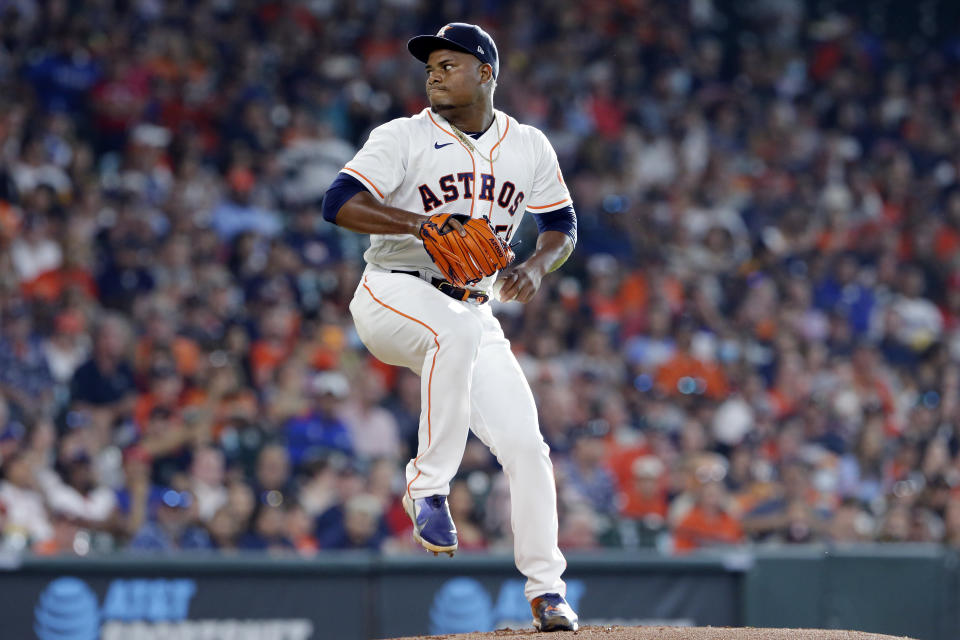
67, 610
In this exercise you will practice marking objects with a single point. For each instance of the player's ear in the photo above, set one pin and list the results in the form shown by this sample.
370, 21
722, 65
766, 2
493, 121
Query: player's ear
486, 72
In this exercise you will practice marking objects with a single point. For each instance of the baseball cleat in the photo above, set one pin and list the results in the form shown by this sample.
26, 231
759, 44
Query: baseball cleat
433, 527
552, 613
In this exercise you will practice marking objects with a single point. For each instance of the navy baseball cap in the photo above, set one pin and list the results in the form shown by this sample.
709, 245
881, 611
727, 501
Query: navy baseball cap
458, 36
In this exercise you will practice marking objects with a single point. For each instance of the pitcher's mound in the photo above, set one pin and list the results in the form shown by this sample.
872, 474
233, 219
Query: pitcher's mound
668, 633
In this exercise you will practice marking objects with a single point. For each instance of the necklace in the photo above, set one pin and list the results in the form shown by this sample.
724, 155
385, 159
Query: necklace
468, 141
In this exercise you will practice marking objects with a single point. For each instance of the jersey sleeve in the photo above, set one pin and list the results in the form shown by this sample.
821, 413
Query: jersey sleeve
343, 188
382, 162
563, 220
549, 190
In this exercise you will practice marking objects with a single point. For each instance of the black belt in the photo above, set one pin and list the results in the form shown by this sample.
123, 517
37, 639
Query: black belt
457, 293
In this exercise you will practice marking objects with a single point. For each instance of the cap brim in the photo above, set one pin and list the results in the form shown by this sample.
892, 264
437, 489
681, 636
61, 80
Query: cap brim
422, 46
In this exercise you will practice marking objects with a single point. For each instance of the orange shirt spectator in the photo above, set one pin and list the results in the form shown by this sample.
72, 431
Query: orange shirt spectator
50, 285
186, 355
684, 374
707, 524
621, 460
646, 494
166, 390
327, 346
240, 403
280, 328
265, 357
701, 528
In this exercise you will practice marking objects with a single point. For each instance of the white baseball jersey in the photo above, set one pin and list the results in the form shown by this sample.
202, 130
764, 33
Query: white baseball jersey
420, 165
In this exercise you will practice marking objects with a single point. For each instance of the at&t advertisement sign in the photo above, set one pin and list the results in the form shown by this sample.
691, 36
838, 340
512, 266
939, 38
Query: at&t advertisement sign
145, 609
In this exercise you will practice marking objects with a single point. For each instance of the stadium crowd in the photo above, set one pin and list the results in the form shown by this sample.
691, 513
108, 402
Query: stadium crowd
756, 340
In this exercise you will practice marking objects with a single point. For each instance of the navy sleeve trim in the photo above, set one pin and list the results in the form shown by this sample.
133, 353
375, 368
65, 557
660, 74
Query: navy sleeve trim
563, 220
342, 189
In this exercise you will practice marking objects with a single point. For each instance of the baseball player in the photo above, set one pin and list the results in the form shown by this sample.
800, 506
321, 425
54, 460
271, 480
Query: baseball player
421, 302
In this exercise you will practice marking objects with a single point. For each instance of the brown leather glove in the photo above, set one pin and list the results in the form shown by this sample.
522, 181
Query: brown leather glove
464, 260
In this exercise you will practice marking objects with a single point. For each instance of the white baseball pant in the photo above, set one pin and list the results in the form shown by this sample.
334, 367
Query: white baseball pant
470, 379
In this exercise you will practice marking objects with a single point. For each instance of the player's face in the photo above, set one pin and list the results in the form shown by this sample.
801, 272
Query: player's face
455, 79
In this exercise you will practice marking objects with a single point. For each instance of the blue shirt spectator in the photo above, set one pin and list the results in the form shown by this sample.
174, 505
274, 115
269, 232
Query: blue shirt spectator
320, 430
173, 526
236, 214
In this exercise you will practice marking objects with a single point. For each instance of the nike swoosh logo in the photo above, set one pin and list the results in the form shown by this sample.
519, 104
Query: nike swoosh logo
437, 145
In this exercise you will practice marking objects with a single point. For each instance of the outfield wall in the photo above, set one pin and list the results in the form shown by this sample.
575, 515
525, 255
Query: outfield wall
898, 590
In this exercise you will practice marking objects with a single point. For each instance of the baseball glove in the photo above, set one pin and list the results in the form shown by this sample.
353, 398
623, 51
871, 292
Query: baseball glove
464, 260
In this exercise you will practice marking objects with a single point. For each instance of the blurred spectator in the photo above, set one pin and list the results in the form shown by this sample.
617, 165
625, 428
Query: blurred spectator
952, 523
237, 214
332, 524
224, 529
160, 336
646, 496
241, 503
166, 440
68, 347
684, 373
173, 526
35, 252
580, 530
207, 481
463, 508
862, 473
643, 506
25, 520
387, 483
361, 527
74, 492
288, 397
919, 320
708, 523
272, 480
311, 158
299, 527
404, 404
25, 377
850, 523
268, 532
802, 525
104, 384
318, 489
790, 515
653, 347
586, 480
895, 526
321, 430
373, 429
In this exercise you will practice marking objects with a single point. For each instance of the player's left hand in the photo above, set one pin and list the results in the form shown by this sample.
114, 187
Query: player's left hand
520, 283
464, 249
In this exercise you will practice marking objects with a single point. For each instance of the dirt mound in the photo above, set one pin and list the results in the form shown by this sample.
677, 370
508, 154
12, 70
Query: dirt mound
668, 633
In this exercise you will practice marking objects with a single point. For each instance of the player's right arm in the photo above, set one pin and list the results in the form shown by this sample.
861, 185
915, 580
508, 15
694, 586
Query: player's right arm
364, 214
356, 199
